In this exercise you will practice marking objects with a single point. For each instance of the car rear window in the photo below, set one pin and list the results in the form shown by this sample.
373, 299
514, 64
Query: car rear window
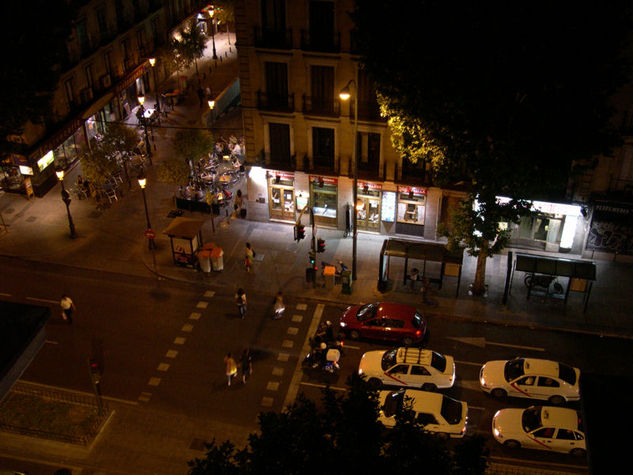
451, 410
393, 403
366, 312
514, 369
417, 321
438, 361
567, 373
531, 418
388, 359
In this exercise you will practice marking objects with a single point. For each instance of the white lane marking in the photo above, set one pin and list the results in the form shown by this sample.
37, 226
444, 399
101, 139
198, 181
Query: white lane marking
272, 386
209, 293
480, 342
283, 357
471, 384
345, 346
302, 306
51, 342
288, 344
109, 398
163, 367
267, 402
522, 463
277, 371
297, 318
179, 340
171, 354
187, 327
154, 381
315, 385
194, 316
533, 348
477, 408
471, 363
4, 295
202, 304
293, 387
43, 300
292, 330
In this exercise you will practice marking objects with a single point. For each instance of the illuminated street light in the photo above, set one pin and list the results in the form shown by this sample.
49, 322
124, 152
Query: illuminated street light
141, 116
215, 55
152, 62
345, 95
142, 182
66, 199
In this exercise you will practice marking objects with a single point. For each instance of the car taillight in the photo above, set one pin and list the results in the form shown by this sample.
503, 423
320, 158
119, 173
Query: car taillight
418, 333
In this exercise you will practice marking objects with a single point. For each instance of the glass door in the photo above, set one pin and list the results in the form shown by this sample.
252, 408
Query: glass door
288, 197
282, 205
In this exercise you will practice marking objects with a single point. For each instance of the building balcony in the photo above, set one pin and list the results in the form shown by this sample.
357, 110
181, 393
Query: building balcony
275, 102
619, 190
274, 39
367, 110
321, 106
313, 41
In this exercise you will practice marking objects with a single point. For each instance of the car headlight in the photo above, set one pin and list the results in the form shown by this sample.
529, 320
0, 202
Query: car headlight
482, 381
360, 371
342, 324
496, 432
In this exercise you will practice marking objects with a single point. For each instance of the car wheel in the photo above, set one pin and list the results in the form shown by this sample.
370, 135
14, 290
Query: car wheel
354, 335
375, 383
512, 444
557, 400
407, 341
499, 393
578, 452
429, 387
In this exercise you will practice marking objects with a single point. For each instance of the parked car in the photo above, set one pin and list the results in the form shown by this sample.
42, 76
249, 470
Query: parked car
408, 367
436, 412
384, 321
556, 429
531, 378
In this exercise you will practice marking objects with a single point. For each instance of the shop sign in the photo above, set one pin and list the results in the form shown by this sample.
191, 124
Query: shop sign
549, 208
24, 170
388, 209
302, 201
46, 160
369, 185
323, 179
282, 175
412, 189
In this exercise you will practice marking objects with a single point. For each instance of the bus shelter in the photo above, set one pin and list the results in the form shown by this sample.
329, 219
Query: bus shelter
580, 275
451, 263
185, 235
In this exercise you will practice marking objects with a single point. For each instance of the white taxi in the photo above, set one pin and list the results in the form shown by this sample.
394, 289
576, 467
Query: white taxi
408, 367
436, 412
555, 429
531, 378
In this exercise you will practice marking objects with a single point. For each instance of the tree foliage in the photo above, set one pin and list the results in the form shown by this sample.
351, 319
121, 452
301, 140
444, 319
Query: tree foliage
173, 170
192, 144
342, 436
190, 47
224, 11
29, 78
497, 96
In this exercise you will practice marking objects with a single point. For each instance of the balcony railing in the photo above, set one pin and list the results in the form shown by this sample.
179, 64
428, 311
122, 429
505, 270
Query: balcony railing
367, 110
313, 41
271, 38
321, 106
275, 102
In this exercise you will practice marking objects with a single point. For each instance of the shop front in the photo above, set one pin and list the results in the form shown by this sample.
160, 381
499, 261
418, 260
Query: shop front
368, 206
324, 199
281, 195
411, 210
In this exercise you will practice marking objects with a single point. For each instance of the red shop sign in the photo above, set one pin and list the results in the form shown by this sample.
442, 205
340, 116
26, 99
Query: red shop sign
412, 189
370, 186
323, 179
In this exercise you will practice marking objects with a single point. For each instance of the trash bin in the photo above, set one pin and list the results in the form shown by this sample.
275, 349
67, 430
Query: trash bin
329, 273
216, 258
346, 280
204, 258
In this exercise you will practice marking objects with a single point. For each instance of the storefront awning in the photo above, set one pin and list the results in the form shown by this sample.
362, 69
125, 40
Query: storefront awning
97, 105
428, 251
184, 227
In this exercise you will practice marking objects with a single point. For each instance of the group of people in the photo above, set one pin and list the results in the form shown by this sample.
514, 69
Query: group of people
246, 365
84, 187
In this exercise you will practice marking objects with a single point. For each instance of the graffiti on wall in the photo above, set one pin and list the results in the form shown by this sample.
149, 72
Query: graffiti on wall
611, 228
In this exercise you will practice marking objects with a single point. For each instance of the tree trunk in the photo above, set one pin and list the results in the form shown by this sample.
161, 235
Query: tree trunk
127, 175
479, 286
197, 73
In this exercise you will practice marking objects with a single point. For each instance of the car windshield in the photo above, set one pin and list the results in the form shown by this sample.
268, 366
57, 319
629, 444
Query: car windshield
567, 373
514, 369
367, 311
417, 321
388, 359
531, 418
451, 410
393, 403
438, 361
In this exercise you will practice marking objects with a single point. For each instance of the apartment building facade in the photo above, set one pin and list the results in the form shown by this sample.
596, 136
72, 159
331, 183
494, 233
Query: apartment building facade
107, 67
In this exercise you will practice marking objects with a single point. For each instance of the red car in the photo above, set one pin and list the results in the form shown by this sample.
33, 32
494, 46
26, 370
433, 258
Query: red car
384, 321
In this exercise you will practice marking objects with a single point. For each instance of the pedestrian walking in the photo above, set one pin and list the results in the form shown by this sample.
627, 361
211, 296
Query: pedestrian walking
247, 365
249, 255
240, 301
230, 367
279, 306
200, 96
68, 307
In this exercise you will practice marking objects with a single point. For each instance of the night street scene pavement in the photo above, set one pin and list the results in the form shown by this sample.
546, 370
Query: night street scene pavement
260, 221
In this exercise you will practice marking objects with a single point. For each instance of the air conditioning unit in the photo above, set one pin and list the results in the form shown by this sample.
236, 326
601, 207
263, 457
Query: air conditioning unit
85, 95
106, 81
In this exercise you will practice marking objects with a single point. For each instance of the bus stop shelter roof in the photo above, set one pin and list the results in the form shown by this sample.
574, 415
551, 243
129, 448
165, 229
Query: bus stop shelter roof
184, 227
429, 251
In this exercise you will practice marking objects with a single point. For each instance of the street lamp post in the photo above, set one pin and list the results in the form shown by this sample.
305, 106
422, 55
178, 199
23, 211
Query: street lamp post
142, 182
215, 55
152, 62
66, 199
345, 95
148, 148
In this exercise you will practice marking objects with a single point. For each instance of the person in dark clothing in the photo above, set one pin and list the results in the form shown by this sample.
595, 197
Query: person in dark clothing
201, 96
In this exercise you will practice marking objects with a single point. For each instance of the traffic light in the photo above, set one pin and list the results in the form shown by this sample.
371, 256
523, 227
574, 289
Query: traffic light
312, 257
320, 245
300, 232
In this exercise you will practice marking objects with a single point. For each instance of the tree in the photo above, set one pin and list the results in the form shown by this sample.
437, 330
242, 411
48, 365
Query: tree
28, 78
224, 12
193, 144
343, 436
190, 47
173, 170
499, 96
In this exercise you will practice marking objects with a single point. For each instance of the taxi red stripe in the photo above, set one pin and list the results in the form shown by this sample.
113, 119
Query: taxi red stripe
522, 392
539, 442
396, 379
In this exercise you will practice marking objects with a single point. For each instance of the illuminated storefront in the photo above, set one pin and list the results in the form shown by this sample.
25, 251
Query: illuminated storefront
368, 206
324, 199
281, 195
411, 210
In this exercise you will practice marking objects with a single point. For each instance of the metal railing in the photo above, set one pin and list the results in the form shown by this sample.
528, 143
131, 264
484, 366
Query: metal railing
272, 38
311, 41
321, 106
275, 102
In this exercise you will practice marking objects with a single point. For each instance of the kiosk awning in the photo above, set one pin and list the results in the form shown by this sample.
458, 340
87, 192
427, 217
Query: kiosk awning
184, 227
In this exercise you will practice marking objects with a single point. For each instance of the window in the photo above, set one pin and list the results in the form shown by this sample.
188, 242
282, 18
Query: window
140, 40
70, 96
82, 37
102, 22
279, 143
527, 381
274, 15
276, 83
420, 371
400, 369
548, 382
321, 25
89, 76
107, 62
322, 87
425, 418
323, 147
368, 151
565, 434
545, 433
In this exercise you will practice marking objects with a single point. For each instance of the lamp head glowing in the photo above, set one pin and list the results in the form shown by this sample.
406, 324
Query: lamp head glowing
141, 99
60, 174
211, 104
344, 94
142, 181
152, 61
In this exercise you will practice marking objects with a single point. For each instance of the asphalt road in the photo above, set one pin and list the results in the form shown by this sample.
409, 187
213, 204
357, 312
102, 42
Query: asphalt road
161, 345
